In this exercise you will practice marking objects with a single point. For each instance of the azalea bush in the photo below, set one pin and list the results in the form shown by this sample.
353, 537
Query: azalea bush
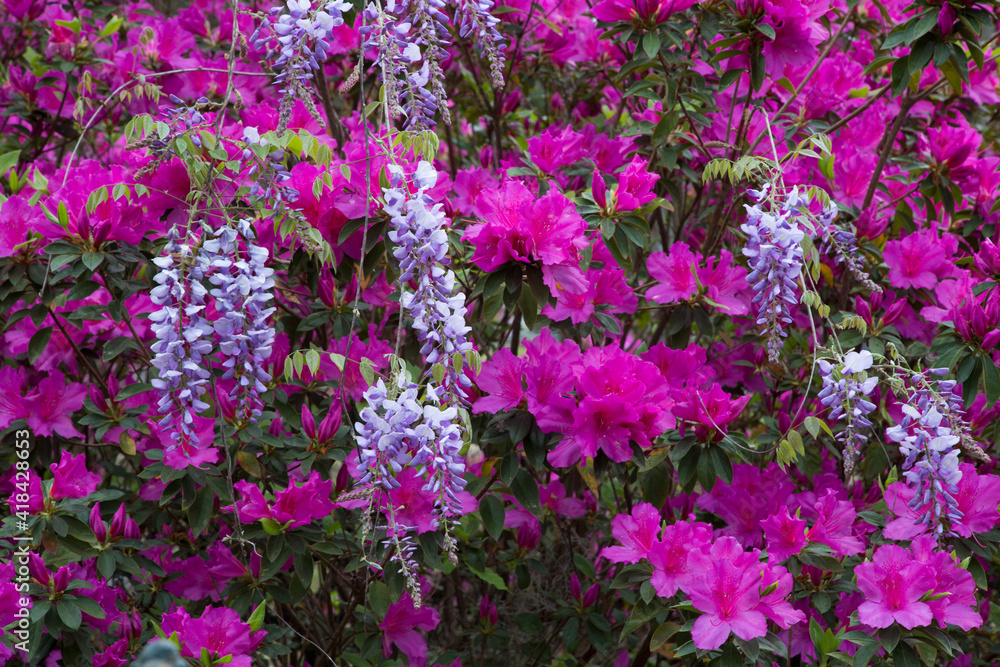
533, 332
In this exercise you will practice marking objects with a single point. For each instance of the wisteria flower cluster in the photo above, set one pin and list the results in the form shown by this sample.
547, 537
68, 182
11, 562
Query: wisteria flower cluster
775, 256
846, 391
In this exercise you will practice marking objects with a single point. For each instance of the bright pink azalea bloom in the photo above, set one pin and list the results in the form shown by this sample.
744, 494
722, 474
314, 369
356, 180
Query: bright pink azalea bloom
220, 630
726, 587
635, 186
834, 525
655, 11
555, 148
523, 228
680, 368
920, 260
958, 604
726, 285
501, 378
675, 272
669, 555
893, 583
49, 407
636, 532
71, 479
12, 381
785, 535
712, 409
978, 497
16, 216
401, 627
295, 506
604, 423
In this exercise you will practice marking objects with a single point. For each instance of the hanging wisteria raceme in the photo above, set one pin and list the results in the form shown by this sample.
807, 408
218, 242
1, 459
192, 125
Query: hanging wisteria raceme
298, 48
183, 338
844, 245
396, 51
475, 19
418, 230
775, 259
431, 27
243, 292
927, 442
845, 390
396, 431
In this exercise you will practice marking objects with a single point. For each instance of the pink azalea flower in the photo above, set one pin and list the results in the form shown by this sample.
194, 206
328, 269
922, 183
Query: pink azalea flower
656, 11
893, 583
219, 629
712, 409
726, 588
401, 627
49, 407
635, 185
675, 272
16, 217
958, 604
920, 260
523, 228
785, 535
978, 497
501, 378
636, 532
834, 525
295, 506
71, 479
669, 555
726, 285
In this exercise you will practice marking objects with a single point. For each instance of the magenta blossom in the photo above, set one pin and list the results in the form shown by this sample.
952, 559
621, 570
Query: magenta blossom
71, 479
293, 507
401, 627
669, 555
785, 535
219, 630
893, 584
637, 533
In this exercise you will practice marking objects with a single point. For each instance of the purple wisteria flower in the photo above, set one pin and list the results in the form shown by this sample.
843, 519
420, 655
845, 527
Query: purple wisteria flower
183, 337
298, 48
475, 19
844, 246
242, 294
845, 390
775, 258
927, 441
397, 430
418, 230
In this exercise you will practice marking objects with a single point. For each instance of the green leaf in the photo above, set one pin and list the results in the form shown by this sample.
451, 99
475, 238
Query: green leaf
256, 619
904, 656
92, 260
765, 30
490, 577
8, 161
662, 634
88, 606
39, 341
651, 44
991, 376
525, 490
492, 510
116, 346
642, 613
812, 426
70, 615
106, 564
133, 390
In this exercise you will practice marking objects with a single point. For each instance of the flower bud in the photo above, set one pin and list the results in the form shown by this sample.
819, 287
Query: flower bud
97, 524
599, 189
97, 398
574, 587
308, 423
131, 530
590, 597
118, 522
528, 536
